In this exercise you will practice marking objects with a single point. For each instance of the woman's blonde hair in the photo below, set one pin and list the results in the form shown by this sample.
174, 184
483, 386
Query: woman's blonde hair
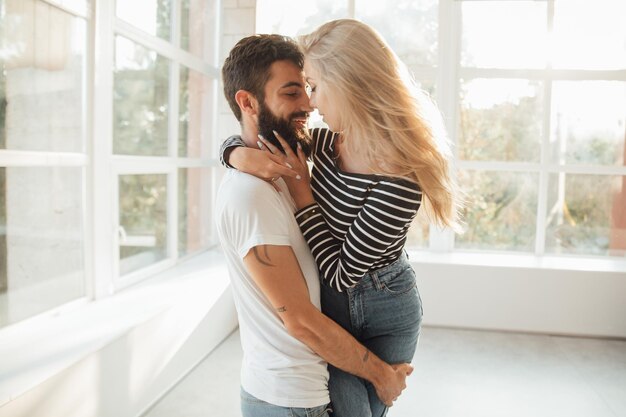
385, 118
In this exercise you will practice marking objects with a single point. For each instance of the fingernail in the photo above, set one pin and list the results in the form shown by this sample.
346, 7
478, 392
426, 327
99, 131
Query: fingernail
275, 133
298, 177
260, 136
258, 142
299, 145
288, 165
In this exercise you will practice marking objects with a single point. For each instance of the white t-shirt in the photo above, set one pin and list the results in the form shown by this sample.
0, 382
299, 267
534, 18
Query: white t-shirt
277, 368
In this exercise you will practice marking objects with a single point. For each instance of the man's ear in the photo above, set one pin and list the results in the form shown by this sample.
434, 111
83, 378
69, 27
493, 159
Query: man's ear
247, 102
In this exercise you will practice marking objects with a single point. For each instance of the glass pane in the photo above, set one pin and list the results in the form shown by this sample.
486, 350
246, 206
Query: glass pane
151, 16
81, 6
504, 34
194, 112
194, 210
42, 79
588, 122
140, 100
500, 210
602, 42
500, 120
193, 26
143, 220
41, 240
410, 27
293, 18
586, 215
419, 233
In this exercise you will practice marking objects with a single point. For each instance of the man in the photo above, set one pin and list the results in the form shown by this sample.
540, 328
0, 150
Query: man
285, 338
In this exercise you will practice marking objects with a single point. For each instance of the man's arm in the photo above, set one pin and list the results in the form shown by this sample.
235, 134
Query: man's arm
276, 271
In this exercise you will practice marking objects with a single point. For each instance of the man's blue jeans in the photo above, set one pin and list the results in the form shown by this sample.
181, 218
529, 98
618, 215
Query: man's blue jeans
383, 312
253, 407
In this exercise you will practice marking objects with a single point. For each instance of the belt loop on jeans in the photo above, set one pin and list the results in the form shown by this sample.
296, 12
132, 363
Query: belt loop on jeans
377, 284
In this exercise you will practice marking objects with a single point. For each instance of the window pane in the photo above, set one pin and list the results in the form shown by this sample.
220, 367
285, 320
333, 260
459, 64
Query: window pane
410, 27
419, 233
41, 240
588, 122
194, 112
586, 215
500, 120
42, 92
194, 209
292, 18
151, 16
500, 210
140, 100
193, 26
143, 220
504, 34
602, 42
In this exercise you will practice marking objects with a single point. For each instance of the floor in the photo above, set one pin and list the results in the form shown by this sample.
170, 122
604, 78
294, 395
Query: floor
458, 373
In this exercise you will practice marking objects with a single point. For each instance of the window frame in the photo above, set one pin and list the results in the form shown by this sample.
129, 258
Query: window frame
449, 74
108, 166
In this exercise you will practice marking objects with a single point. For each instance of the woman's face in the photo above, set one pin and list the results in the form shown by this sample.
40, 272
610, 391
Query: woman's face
320, 98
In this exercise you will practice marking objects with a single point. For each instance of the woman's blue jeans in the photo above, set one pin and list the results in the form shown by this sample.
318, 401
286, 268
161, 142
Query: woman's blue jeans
383, 312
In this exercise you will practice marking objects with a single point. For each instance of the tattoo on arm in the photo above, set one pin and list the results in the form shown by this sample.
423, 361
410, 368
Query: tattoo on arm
266, 261
366, 356
281, 309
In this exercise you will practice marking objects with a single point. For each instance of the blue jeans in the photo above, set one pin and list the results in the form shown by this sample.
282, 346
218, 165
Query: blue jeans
383, 312
253, 407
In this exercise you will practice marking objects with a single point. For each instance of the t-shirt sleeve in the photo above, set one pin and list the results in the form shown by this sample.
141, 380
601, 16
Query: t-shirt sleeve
254, 217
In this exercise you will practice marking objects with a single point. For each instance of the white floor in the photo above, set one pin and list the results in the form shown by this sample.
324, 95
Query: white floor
458, 373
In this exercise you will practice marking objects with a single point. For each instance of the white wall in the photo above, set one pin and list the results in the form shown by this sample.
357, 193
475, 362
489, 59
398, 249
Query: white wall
124, 353
519, 295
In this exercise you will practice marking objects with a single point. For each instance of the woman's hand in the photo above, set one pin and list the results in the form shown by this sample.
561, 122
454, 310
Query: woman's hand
261, 163
299, 186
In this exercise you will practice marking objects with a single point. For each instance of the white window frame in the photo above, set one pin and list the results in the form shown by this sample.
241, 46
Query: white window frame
108, 166
40, 159
450, 27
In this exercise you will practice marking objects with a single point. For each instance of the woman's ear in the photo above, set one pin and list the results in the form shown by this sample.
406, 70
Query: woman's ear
247, 102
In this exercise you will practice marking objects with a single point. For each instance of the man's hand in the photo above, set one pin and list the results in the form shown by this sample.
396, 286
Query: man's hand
392, 383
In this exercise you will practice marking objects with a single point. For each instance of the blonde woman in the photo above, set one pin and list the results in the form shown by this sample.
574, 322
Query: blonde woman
383, 156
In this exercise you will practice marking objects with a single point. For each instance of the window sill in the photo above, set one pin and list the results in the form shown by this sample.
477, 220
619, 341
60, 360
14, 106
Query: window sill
514, 260
44, 346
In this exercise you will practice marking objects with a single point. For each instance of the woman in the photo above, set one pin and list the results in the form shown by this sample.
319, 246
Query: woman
383, 155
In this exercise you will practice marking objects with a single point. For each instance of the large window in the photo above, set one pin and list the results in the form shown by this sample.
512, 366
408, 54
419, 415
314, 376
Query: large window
533, 103
106, 161
163, 89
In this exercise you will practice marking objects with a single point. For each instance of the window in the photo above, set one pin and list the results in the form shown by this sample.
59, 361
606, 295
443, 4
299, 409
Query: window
162, 116
43, 158
533, 104
541, 133
106, 167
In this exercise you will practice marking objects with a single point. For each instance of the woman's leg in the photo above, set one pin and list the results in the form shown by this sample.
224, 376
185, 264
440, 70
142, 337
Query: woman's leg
348, 393
393, 315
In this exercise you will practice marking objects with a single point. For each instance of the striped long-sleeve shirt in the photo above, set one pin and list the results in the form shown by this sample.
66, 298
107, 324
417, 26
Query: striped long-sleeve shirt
359, 222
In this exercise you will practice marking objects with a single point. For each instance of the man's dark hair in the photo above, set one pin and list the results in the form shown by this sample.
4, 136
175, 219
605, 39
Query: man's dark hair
248, 65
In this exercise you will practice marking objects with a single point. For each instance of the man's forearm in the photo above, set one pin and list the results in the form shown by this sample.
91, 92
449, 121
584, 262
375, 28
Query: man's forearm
340, 348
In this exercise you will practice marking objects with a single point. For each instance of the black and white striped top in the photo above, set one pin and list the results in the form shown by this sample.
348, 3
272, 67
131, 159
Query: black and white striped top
359, 222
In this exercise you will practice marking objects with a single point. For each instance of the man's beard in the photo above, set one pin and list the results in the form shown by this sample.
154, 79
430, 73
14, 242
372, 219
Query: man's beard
285, 128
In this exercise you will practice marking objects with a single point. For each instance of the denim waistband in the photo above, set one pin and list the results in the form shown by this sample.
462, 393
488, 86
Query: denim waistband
386, 273
400, 263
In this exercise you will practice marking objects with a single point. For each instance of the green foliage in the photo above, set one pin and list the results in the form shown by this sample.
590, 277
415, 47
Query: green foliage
143, 209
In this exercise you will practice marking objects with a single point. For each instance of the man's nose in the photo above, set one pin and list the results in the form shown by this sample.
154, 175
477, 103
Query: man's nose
305, 104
